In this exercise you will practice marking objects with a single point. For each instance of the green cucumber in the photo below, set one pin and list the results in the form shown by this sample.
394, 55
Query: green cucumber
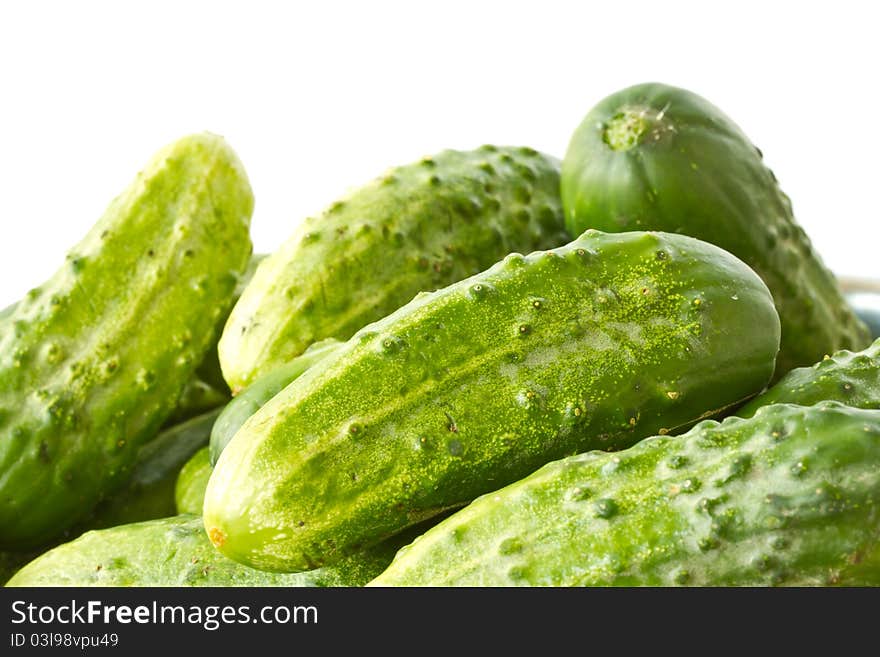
655, 157
94, 361
249, 400
175, 552
847, 377
189, 490
417, 228
788, 497
597, 344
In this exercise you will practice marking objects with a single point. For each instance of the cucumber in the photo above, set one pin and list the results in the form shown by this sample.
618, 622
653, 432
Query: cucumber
94, 361
418, 227
655, 157
597, 344
175, 552
850, 378
789, 497
189, 490
249, 400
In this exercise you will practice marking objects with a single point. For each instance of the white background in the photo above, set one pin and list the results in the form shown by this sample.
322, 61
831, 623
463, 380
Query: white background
320, 97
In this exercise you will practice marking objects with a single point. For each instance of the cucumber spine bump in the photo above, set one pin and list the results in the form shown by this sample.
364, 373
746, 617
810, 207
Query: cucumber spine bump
597, 344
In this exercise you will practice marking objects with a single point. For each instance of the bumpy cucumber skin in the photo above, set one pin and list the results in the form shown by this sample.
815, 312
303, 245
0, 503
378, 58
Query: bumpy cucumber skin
94, 361
847, 377
417, 228
176, 552
788, 497
207, 389
693, 171
597, 344
249, 400
189, 491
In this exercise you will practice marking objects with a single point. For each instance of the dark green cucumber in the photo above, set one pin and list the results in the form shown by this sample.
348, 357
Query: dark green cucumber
249, 400
207, 389
418, 227
597, 344
655, 157
176, 552
189, 490
788, 497
94, 361
850, 378
150, 490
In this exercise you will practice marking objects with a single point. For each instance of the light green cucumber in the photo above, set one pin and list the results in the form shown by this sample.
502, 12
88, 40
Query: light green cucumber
189, 490
249, 400
417, 228
94, 361
789, 497
175, 552
596, 344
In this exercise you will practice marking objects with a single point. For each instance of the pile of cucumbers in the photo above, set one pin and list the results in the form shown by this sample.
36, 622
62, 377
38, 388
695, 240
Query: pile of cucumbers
484, 368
